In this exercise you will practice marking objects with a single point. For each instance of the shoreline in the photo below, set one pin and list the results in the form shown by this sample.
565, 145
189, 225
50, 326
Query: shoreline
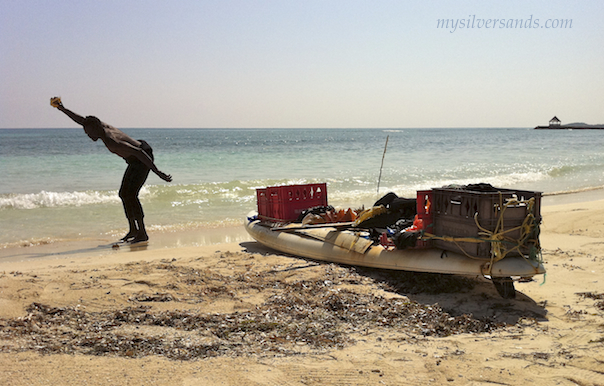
104, 246
573, 196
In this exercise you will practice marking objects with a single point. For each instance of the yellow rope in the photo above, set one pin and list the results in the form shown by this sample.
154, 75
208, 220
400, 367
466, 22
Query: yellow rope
498, 239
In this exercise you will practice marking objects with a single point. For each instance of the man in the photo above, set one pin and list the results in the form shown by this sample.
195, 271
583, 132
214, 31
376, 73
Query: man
139, 157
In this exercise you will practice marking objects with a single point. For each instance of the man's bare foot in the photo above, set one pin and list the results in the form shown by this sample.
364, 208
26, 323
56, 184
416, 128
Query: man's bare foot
128, 237
139, 239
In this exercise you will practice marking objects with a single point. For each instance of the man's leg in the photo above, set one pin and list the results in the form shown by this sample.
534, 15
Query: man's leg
135, 176
125, 195
141, 235
133, 230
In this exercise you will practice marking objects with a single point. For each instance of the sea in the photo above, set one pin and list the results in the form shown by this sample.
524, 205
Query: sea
57, 184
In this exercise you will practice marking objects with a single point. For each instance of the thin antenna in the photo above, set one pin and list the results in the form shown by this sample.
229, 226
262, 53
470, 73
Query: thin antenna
382, 165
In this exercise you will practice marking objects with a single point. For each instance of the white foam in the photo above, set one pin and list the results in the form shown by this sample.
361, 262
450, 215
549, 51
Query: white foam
46, 199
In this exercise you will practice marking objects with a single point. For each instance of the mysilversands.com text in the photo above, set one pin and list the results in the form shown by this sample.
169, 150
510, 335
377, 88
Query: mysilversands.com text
473, 22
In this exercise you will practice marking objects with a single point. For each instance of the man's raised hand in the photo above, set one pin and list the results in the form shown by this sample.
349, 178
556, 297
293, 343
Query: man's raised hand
56, 102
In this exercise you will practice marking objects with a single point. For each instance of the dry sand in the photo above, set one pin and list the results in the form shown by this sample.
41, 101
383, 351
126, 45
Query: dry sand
238, 314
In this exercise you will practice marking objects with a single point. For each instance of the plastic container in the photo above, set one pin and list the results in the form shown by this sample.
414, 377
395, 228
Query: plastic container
454, 212
262, 200
285, 203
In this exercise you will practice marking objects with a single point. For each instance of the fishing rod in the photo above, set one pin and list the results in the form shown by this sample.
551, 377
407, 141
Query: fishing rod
382, 165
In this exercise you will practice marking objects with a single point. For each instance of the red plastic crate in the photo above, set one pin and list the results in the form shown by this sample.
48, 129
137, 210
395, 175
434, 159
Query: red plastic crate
262, 200
285, 203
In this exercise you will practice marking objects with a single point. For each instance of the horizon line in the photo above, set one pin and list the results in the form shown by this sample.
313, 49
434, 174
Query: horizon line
281, 128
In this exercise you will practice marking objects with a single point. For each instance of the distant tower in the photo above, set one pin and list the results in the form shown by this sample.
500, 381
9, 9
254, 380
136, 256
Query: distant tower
554, 122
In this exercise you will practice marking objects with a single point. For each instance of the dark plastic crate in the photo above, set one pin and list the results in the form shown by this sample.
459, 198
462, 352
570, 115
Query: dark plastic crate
285, 203
454, 211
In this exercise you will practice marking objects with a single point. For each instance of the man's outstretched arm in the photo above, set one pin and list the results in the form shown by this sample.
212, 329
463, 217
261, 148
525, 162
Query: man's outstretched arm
75, 117
125, 149
144, 158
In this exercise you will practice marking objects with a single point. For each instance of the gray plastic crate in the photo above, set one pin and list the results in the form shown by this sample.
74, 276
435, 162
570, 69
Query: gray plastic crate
453, 211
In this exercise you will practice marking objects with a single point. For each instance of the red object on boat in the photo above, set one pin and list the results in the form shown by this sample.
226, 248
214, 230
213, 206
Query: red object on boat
424, 216
424, 206
285, 203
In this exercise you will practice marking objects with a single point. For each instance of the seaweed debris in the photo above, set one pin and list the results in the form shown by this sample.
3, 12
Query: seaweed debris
594, 296
306, 314
325, 311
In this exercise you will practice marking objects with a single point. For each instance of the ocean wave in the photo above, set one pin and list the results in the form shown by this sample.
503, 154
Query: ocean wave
578, 169
346, 190
30, 242
46, 199
173, 195
561, 171
365, 192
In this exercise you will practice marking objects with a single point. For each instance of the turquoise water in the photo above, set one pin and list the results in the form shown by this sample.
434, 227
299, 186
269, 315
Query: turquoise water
58, 184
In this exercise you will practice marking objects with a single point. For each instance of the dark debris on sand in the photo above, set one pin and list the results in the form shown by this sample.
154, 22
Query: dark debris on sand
594, 296
298, 317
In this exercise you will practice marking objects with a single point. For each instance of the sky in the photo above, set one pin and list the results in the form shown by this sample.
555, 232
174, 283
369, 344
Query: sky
301, 64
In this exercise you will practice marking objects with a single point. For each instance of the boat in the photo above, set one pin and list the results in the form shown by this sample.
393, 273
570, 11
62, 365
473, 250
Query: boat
355, 242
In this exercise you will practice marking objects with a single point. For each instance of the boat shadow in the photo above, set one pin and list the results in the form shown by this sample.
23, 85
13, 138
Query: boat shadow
456, 295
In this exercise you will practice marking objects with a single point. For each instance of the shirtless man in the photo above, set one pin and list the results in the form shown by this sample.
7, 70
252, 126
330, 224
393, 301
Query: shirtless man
139, 156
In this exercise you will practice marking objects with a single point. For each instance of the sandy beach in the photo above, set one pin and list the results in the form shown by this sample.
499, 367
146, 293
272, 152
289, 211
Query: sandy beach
235, 313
